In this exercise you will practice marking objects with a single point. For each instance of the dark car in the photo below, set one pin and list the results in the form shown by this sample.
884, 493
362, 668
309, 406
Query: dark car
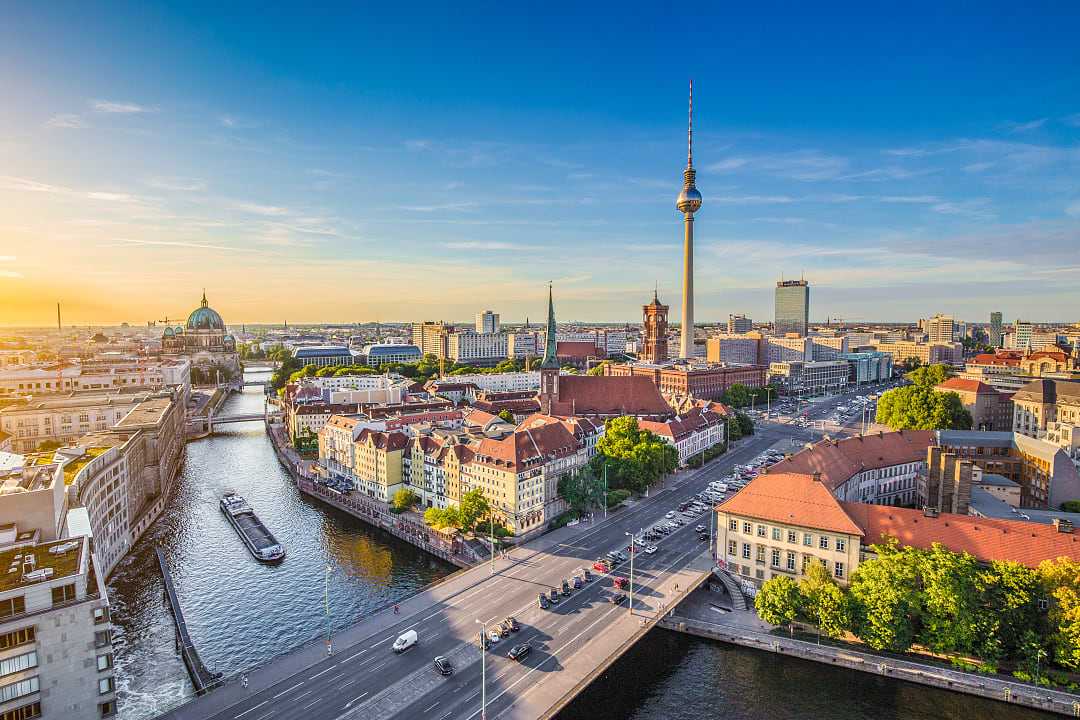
542, 601
443, 666
703, 537
577, 583
553, 596
565, 587
587, 573
618, 598
511, 624
519, 652
503, 630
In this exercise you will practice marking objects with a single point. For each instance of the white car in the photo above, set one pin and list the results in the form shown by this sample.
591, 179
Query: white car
650, 550
670, 514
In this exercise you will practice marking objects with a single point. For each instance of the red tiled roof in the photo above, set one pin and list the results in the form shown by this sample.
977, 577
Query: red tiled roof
792, 499
1008, 357
533, 442
389, 441
986, 539
840, 460
681, 427
576, 349
963, 385
609, 395
479, 417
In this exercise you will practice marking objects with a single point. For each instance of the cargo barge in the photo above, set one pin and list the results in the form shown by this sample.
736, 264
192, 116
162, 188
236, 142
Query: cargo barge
258, 539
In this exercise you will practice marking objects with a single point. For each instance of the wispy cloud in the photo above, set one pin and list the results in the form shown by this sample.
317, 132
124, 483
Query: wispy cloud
27, 185
913, 199
805, 165
123, 108
177, 184
752, 199
1019, 127
237, 123
417, 145
68, 121
118, 242
971, 209
732, 163
112, 196
450, 207
486, 245
257, 209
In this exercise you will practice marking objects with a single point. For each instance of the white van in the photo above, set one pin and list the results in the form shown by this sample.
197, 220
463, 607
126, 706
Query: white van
405, 641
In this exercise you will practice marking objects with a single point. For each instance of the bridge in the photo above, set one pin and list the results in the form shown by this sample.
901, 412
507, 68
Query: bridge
359, 677
201, 676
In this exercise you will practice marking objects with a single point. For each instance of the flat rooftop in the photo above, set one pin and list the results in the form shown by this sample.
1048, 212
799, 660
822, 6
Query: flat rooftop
119, 396
62, 556
148, 412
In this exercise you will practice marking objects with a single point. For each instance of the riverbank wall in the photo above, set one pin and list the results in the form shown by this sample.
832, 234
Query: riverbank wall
993, 688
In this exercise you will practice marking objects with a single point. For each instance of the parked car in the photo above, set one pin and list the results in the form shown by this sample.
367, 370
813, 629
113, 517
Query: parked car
700, 528
577, 583
565, 588
542, 601
620, 582
601, 566
650, 550
511, 624
553, 596
443, 666
519, 652
618, 598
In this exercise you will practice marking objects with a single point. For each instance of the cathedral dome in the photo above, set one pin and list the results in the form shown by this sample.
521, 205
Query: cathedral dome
205, 317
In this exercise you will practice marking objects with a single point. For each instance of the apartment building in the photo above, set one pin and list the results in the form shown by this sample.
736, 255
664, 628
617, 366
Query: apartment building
473, 348
1044, 401
64, 419
811, 377
739, 324
692, 432
432, 338
951, 353
990, 408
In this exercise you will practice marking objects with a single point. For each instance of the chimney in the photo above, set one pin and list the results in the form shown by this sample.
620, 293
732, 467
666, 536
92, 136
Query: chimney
1063, 525
930, 512
816, 476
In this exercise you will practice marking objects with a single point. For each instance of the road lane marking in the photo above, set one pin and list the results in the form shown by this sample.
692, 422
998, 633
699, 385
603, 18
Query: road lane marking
448, 714
252, 709
429, 709
303, 695
379, 643
431, 615
288, 690
353, 656
322, 672
349, 704
373, 669
313, 702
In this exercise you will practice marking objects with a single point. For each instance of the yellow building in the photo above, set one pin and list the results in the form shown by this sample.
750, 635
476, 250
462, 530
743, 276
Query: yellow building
378, 463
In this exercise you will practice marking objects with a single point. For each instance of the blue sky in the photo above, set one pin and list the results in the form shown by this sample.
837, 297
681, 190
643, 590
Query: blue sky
350, 164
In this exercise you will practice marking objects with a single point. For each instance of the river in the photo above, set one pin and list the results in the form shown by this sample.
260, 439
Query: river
241, 612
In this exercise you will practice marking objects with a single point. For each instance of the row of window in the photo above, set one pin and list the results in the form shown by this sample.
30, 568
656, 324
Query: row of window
19, 689
15, 638
25, 712
18, 663
825, 542
787, 558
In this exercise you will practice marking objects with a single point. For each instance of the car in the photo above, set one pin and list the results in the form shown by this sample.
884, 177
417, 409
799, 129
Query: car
542, 601
670, 514
577, 583
622, 556
494, 635
601, 566
511, 623
700, 528
553, 596
503, 631
650, 550
405, 641
519, 652
587, 574
565, 588
618, 598
619, 582
443, 666
703, 537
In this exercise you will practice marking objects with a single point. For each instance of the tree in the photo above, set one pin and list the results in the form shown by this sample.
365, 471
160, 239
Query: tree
440, 518
581, 489
920, 407
746, 425
1061, 580
1071, 506
598, 369
49, 445
951, 607
404, 499
930, 375
778, 602
473, 508
885, 599
738, 395
823, 602
635, 458
1009, 594
507, 416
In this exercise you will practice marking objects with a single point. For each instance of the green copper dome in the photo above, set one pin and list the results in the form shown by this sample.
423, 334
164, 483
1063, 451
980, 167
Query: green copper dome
205, 317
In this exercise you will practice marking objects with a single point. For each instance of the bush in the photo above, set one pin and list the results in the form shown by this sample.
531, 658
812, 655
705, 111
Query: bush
403, 499
616, 498
562, 520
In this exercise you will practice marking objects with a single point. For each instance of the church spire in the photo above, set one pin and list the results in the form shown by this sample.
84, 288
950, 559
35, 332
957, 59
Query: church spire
550, 359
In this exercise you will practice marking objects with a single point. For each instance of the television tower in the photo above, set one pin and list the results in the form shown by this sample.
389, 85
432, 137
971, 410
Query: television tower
688, 203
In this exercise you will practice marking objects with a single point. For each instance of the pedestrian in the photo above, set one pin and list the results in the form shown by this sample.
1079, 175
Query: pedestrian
676, 587
243, 680
396, 609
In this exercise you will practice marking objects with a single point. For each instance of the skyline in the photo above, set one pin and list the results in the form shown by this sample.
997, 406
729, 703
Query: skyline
294, 172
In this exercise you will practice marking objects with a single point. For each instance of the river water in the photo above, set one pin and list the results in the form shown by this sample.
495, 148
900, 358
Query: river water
242, 613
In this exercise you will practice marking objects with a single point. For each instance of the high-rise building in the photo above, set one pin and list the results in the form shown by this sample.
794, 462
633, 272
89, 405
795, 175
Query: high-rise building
792, 308
654, 320
941, 329
433, 338
739, 324
487, 322
1021, 335
688, 203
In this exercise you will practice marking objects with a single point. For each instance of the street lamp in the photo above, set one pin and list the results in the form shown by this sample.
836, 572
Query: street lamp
483, 669
633, 552
491, 537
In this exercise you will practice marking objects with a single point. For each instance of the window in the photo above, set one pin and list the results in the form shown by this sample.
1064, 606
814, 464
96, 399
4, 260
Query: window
746, 551
733, 525
761, 531
808, 540
26, 712
838, 570
823, 542
102, 638
792, 537
732, 548
776, 558
105, 685
108, 709
776, 534
791, 561
19, 689
841, 545
761, 554
104, 662
63, 594
746, 528
15, 638
18, 663
12, 606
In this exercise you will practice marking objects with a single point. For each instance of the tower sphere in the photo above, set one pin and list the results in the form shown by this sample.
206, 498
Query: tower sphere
689, 200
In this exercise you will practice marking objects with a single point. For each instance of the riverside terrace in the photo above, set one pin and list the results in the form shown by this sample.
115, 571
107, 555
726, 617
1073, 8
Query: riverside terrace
572, 642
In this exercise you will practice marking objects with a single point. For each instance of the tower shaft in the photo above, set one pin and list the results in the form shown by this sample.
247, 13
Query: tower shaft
686, 340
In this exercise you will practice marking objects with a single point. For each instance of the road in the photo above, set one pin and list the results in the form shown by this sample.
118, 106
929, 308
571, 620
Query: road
363, 678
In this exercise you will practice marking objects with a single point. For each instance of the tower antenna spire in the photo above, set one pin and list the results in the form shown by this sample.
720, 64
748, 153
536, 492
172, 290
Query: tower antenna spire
690, 129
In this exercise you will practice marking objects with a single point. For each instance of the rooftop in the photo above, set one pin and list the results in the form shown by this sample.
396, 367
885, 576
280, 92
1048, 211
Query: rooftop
840, 460
792, 499
72, 468
148, 412
63, 557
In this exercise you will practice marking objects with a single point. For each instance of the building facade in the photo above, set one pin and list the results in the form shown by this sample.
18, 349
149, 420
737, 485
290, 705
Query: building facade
487, 322
792, 307
737, 324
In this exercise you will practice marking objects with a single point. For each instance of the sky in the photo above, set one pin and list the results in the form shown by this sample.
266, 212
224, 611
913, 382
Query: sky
346, 163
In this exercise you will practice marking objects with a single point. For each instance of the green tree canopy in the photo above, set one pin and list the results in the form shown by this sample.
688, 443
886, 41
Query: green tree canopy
441, 518
778, 602
507, 416
920, 407
823, 602
885, 599
1061, 580
1009, 609
635, 458
404, 499
581, 489
951, 606
598, 369
474, 507
930, 375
